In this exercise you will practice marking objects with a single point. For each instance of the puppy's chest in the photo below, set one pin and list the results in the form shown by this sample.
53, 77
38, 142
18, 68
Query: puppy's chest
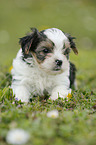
41, 82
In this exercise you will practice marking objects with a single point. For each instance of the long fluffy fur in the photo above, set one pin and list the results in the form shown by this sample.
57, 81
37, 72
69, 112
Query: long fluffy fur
33, 75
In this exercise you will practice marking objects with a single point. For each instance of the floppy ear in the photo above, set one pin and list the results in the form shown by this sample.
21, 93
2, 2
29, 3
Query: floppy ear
72, 43
29, 42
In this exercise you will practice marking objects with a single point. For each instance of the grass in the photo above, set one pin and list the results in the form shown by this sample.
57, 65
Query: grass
76, 123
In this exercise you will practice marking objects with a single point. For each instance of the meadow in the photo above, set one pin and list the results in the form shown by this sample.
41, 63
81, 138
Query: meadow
75, 123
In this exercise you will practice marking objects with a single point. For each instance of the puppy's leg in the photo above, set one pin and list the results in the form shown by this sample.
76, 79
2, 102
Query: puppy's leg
59, 91
21, 93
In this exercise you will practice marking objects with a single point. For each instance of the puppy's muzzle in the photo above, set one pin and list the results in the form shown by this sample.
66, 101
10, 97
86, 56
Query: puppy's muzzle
58, 62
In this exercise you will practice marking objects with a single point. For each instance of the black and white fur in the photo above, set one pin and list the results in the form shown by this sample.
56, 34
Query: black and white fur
42, 65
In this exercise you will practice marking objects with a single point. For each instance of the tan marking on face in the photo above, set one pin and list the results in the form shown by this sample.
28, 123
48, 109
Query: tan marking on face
39, 53
67, 45
46, 44
37, 60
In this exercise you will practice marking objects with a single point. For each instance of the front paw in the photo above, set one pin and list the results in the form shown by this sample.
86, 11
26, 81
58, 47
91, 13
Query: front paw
62, 93
22, 94
56, 95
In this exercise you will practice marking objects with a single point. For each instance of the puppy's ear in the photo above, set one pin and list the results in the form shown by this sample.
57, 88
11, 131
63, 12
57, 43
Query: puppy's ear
29, 42
72, 43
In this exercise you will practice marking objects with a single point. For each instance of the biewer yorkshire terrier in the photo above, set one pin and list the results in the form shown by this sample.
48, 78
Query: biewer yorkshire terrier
42, 65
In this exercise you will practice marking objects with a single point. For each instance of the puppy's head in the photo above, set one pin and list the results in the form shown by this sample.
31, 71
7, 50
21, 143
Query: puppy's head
49, 48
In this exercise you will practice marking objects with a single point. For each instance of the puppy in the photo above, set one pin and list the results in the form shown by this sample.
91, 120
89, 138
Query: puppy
42, 65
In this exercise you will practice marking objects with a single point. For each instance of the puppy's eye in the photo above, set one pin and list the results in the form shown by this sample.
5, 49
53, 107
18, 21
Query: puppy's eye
46, 50
67, 51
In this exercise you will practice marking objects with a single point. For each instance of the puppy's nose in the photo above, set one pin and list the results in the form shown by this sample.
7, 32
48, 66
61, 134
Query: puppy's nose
58, 62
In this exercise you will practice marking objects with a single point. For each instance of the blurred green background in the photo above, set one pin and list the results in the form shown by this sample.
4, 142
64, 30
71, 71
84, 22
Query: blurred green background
78, 17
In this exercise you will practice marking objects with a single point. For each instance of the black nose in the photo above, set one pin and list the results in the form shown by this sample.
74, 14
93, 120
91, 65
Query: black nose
58, 62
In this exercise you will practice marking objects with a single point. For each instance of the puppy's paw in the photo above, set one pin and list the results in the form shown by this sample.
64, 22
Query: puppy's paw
59, 92
56, 95
22, 94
